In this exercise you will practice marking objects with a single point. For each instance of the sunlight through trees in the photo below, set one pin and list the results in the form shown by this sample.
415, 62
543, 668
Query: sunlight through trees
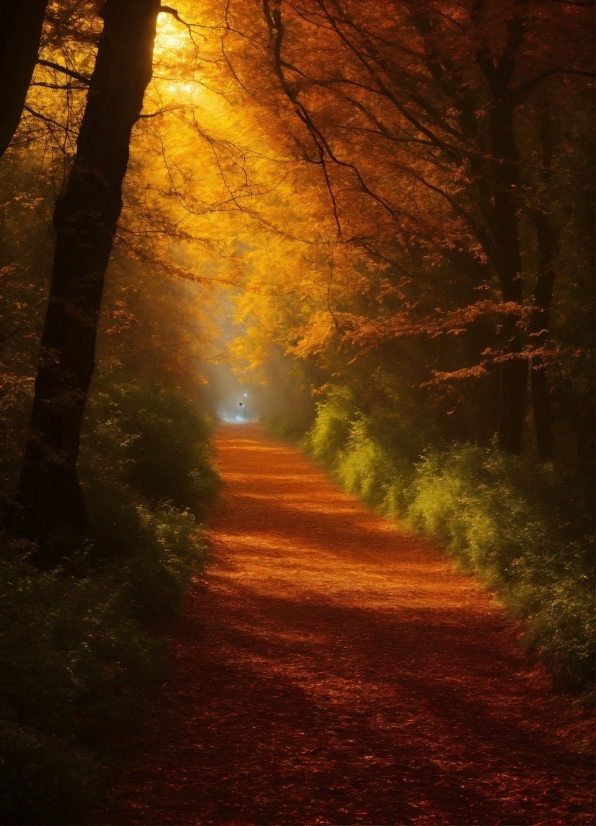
378, 212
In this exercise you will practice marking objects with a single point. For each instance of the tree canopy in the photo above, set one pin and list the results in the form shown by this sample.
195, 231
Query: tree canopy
398, 190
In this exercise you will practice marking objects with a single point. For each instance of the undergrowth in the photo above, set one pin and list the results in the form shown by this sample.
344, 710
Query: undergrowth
163, 440
282, 428
527, 531
79, 648
524, 527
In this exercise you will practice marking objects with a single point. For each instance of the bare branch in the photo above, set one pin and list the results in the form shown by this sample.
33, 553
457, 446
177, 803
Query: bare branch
65, 87
47, 120
65, 71
529, 85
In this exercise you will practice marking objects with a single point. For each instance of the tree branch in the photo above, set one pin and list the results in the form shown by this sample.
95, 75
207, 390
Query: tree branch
527, 87
65, 71
48, 120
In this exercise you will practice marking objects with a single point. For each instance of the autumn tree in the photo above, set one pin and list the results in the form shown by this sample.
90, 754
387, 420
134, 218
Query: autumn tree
426, 124
20, 35
85, 221
375, 173
51, 36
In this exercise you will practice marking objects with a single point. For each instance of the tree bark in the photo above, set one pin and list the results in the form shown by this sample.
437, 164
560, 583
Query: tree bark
500, 215
539, 330
547, 240
85, 220
21, 23
497, 185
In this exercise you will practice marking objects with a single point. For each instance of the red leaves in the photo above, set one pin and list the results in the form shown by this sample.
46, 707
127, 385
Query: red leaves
392, 695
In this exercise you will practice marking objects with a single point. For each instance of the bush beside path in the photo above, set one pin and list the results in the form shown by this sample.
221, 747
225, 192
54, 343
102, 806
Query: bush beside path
333, 670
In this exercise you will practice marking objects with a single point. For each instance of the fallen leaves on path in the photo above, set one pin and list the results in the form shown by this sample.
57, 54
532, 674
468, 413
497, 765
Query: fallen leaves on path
332, 670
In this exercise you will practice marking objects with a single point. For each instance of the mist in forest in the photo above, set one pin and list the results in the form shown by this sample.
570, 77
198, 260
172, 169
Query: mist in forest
240, 399
230, 400
367, 225
280, 388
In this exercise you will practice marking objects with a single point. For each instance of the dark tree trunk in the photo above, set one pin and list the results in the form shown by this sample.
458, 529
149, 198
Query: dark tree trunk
497, 181
21, 22
85, 221
499, 204
512, 405
496, 172
514, 370
497, 187
547, 240
539, 329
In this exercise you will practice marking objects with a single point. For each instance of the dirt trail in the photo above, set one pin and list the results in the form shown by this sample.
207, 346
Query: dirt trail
332, 670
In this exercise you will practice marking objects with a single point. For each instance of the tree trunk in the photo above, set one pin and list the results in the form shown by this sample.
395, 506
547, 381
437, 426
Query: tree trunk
506, 259
85, 221
514, 371
547, 239
500, 214
539, 329
497, 182
21, 22
512, 405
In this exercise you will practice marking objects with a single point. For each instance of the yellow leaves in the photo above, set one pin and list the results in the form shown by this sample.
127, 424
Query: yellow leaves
171, 39
315, 336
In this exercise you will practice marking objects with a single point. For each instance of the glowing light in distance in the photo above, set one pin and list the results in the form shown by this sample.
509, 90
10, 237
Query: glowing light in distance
171, 37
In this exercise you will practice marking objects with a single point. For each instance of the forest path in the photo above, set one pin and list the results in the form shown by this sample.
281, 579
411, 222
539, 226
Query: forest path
333, 670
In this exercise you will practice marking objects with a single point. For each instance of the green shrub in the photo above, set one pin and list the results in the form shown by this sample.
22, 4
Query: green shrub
43, 778
136, 527
368, 469
152, 553
331, 430
163, 444
73, 664
76, 653
526, 529
279, 427
372, 456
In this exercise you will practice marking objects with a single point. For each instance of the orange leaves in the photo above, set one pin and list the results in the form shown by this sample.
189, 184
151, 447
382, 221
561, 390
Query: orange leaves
332, 669
369, 334
316, 336
333, 166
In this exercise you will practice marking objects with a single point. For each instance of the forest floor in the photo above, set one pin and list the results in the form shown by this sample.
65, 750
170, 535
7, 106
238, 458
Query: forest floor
331, 669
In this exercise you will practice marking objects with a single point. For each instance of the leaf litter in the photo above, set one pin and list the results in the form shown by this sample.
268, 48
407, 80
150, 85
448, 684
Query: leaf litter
332, 670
